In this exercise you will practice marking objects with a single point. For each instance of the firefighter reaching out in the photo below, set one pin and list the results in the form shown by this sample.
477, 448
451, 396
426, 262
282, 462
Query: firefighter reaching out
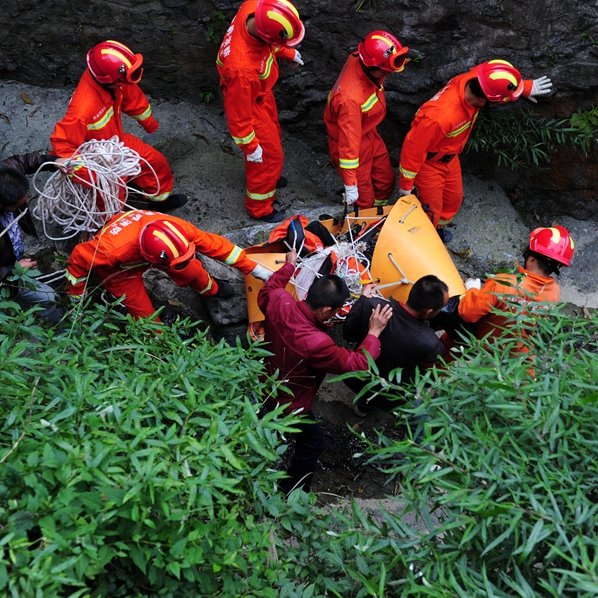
440, 130
133, 242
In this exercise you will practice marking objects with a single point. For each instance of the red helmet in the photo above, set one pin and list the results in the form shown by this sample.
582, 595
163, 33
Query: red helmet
164, 243
112, 62
553, 242
383, 50
500, 81
278, 22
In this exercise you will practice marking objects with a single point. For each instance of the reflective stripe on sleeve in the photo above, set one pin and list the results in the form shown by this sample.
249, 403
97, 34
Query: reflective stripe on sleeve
144, 115
244, 140
348, 164
407, 173
233, 256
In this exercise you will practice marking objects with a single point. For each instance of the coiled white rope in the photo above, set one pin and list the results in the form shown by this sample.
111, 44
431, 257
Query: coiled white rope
72, 201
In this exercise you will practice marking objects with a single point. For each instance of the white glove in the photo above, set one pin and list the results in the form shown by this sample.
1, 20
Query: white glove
260, 272
298, 58
256, 156
403, 192
540, 87
351, 195
473, 283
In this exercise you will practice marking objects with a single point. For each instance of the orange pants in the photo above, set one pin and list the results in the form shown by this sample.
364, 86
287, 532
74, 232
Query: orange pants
440, 186
263, 176
159, 184
151, 159
130, 284
375, 175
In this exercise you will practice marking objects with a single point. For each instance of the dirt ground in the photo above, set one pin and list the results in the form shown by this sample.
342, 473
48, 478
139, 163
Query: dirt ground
209, 168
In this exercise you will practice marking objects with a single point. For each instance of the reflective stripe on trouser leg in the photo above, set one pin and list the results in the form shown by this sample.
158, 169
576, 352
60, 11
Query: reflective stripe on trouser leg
146, 180
263, 176
440, 186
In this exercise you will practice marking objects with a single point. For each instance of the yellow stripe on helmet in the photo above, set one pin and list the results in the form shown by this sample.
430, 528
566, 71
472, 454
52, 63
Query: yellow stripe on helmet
289, 6
500, 61
167, 242
383, 39
177, 232
283, 21
120, 45
118, 55
556, 235
504, 75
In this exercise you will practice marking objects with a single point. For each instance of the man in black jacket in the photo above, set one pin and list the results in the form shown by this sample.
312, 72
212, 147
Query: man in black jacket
407, 342
14, 218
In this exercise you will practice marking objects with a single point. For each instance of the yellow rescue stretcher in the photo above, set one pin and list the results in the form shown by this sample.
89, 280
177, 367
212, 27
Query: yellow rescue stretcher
408, 247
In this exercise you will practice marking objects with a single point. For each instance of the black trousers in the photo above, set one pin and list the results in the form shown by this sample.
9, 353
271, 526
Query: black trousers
309, 446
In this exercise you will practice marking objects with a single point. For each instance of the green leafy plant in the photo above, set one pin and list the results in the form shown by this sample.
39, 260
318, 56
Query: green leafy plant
504, 480
519, 138
588, 38
131, 458
207, 95
370, 5
217, 27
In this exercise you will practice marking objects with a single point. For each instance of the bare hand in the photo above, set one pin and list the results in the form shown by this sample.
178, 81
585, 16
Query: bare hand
60, 163
379, 319
368, 290
27, 263
291, 257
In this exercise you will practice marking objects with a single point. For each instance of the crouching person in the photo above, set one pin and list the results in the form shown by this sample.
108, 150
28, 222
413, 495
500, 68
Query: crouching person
408, 343
15, 219
303, 353
133, 242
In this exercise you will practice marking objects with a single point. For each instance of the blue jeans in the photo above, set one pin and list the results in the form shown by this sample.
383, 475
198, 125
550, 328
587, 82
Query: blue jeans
43, 295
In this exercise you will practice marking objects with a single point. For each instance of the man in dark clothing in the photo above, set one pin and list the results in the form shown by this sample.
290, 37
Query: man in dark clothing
303, 353
15, 217
407, 342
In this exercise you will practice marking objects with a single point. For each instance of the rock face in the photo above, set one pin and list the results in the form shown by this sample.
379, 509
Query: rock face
44, 43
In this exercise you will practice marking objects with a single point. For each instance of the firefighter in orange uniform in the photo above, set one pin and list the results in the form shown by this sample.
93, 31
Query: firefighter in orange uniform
356, 106
261, 32
441, 128
133, 242
108, 88
487, 310
548, 250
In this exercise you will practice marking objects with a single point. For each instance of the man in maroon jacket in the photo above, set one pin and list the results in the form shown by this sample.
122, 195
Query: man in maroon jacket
303, 353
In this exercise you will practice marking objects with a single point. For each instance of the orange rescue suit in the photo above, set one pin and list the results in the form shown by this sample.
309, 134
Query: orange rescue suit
95, 113
430, 152
248, 70
356, 106
524, 287
114, 255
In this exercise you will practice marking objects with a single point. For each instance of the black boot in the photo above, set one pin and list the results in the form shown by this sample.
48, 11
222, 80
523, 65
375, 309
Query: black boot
274, 216
445, 235
225, 289
173, 202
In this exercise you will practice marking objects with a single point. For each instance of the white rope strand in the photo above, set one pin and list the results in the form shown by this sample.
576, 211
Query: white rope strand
71, 201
